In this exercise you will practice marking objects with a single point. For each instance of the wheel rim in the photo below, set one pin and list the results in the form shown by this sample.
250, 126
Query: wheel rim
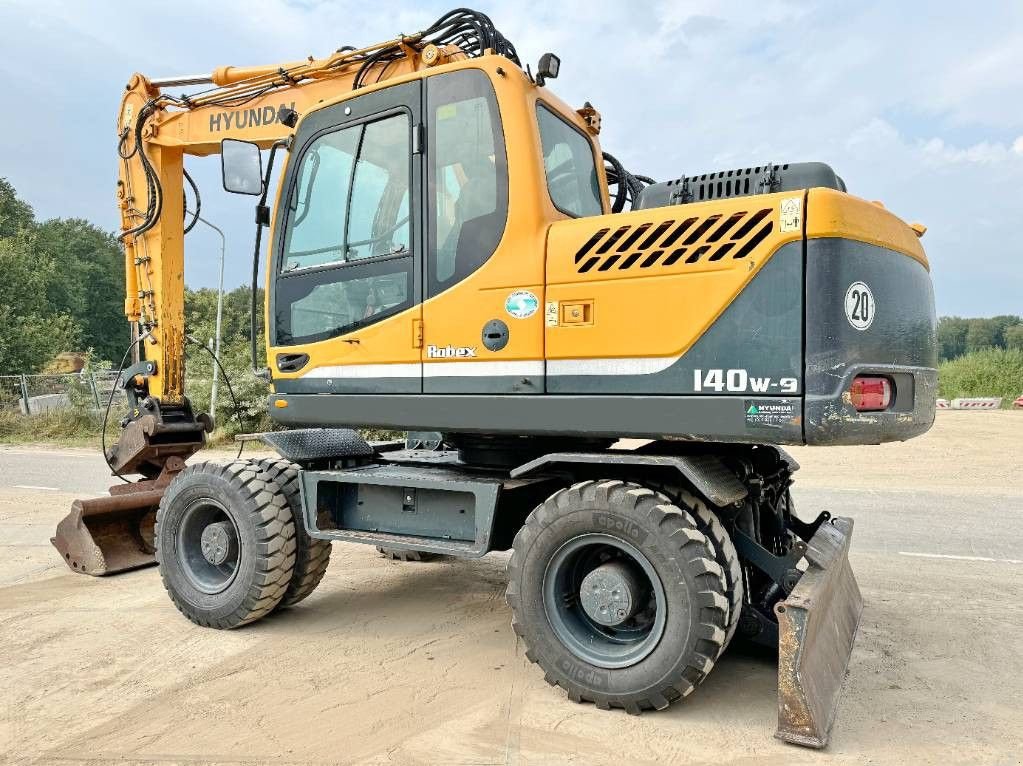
604, 600
209, 548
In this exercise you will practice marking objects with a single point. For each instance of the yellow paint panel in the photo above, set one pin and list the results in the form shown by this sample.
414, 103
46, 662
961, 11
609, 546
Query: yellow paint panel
832, 213
657, 279
389, 341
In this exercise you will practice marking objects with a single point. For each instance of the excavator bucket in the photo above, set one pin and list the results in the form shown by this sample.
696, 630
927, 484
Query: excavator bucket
817, 625
106, 535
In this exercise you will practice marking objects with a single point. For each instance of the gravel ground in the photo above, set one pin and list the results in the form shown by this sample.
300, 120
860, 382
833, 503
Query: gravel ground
416, 663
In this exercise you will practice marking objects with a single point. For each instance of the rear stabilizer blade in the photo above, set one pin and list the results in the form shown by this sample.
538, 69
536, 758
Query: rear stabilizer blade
817, 626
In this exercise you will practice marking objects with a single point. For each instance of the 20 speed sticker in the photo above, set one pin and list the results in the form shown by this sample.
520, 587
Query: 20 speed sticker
522, 304
859, 305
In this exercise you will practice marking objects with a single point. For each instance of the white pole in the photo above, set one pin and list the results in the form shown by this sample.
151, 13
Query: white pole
220, 314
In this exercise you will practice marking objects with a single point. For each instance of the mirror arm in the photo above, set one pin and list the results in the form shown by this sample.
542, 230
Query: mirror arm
262, 219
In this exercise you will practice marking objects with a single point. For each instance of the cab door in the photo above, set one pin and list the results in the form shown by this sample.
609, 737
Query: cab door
482, 317
346, 280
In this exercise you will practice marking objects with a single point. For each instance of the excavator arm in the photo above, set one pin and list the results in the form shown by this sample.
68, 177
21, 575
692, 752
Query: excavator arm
155, 131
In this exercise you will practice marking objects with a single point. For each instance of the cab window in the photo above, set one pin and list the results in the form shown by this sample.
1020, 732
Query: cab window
569, 165
347, 261
467, 176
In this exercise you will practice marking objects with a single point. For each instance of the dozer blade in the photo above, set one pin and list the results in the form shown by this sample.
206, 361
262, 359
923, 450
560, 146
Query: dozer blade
816, 628
106, 535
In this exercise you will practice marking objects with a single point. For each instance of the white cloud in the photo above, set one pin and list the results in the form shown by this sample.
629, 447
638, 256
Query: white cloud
918, 109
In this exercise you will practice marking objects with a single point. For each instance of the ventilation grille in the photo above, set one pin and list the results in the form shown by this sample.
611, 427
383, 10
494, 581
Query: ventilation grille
726, 184
693, 239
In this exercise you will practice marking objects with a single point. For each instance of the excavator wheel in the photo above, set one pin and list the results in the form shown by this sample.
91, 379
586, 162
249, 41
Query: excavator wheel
724, 550
393, 554
225, 543
311, 556
617, 595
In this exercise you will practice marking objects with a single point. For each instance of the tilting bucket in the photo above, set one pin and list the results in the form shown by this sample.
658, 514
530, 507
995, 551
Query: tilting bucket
105, 535
817, 626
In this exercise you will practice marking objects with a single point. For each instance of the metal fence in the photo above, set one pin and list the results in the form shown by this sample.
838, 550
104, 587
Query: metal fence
39, 394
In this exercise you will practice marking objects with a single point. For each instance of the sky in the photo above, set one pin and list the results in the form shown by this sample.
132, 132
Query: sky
916, 104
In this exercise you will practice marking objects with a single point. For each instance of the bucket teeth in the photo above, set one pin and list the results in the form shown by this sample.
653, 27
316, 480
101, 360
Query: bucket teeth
817, 626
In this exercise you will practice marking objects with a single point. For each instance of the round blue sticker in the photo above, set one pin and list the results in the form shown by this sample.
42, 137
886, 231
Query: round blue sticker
522, 304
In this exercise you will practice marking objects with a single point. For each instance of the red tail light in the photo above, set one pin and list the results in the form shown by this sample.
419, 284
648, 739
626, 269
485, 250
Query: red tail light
870, 394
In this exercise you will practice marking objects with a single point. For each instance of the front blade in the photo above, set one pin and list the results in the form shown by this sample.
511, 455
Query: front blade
817, 625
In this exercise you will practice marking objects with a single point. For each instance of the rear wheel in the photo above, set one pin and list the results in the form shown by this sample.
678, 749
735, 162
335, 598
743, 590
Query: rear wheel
617, 596
312, 556
225, 543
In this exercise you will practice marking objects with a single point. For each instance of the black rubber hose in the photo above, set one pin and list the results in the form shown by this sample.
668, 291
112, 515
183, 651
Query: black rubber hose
198, 201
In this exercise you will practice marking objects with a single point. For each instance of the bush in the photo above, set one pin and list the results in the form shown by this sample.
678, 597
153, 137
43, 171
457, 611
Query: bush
992, 372
73, 427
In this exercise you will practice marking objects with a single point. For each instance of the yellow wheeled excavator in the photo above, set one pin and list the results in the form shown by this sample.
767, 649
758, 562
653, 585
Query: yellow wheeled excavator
449, 251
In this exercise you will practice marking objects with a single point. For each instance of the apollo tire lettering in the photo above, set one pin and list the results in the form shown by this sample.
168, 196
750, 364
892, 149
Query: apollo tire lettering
740, 381
611, 523
859, 306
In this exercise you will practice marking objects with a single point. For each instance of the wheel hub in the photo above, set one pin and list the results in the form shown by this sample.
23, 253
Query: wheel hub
604, 600
217, 542
610, 593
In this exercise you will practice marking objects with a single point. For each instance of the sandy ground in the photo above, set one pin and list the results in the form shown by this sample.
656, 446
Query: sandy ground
416, 663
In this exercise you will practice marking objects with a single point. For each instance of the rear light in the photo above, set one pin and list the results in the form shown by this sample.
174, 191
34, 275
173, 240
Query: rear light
870, 394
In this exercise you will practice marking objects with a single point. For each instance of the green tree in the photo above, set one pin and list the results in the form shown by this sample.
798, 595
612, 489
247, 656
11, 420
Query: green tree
15, 214
91, 285
1014, 337
31, 332
981, 334
952, 337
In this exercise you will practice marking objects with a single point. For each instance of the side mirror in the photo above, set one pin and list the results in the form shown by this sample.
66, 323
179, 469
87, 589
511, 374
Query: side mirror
547, 69
241, 164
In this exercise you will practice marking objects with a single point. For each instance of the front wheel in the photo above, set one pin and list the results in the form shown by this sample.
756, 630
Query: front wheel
616, 594
225, 543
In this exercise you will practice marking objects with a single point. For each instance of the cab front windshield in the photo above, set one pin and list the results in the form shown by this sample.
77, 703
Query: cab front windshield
347, 258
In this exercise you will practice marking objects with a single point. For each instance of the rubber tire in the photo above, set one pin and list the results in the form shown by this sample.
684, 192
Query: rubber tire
393, 554
725, 555
312, 556
261, 513
724, 551
680, 554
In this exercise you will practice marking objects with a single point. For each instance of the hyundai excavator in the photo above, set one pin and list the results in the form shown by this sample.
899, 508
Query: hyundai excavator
613, 365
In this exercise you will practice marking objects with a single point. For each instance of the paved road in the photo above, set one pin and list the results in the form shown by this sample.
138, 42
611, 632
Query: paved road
410, 663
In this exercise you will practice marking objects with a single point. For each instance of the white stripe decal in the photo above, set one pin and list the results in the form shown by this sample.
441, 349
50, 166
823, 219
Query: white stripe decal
639, 365
464, 369
349, 371
481, 369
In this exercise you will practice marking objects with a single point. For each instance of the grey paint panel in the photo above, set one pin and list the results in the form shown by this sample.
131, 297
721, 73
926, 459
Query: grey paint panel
707, 473
451, 511
900, 342
760, 332
348, 386
491, 384
698, 418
